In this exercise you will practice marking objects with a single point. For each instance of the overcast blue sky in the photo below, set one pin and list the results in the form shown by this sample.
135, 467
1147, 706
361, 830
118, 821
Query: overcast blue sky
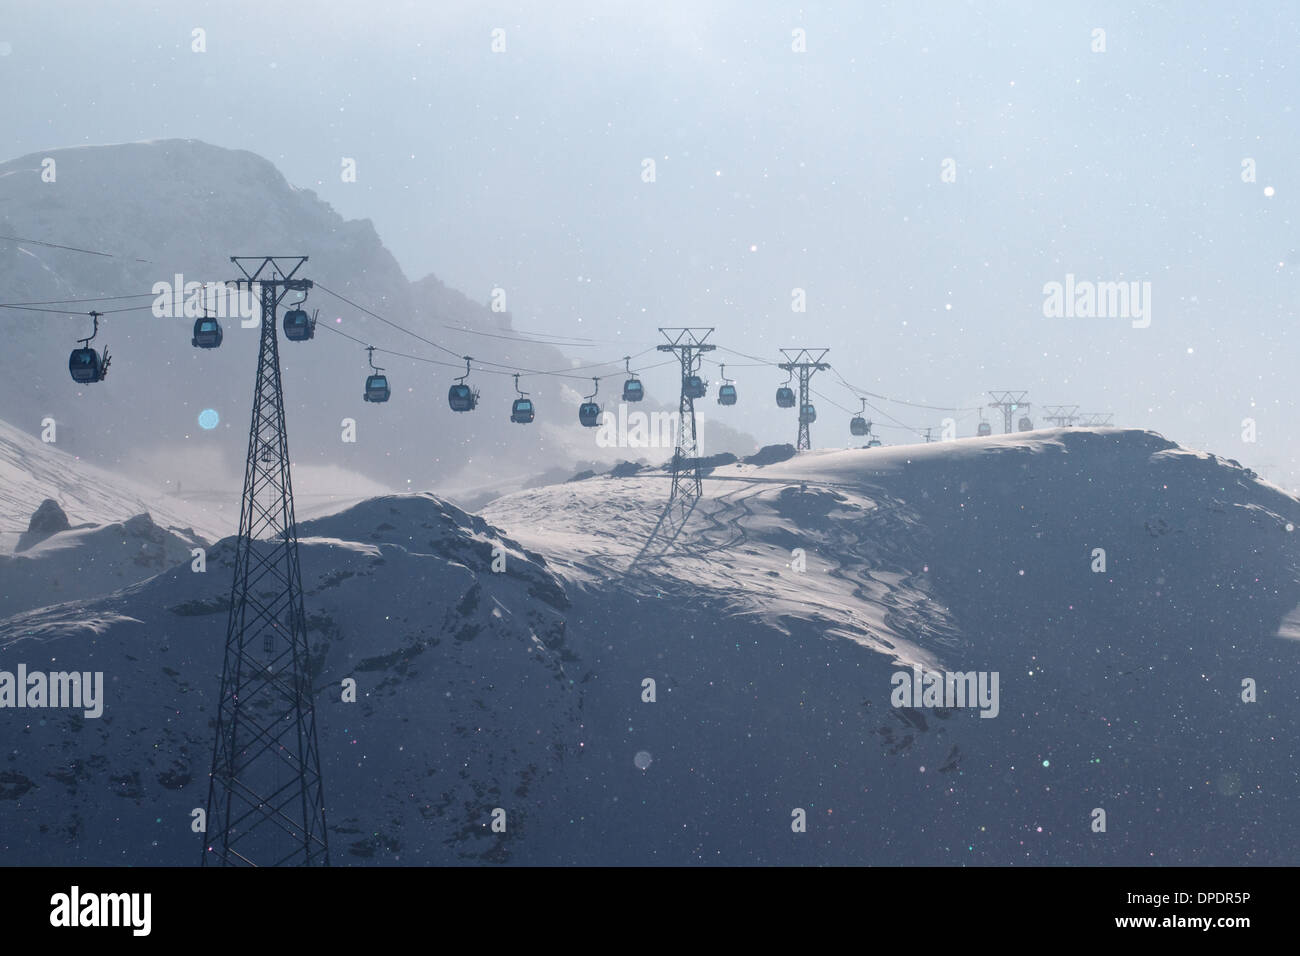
775, 170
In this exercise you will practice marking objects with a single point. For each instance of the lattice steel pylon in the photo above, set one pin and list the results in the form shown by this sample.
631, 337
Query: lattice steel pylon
1096, 419
1061, 415
1009, 402
266, 802
688, 344
802, 361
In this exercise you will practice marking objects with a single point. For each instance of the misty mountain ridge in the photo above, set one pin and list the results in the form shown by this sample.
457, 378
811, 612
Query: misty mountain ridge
183, 207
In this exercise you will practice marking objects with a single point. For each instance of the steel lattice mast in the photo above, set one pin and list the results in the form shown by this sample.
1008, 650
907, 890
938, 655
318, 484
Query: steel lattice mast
1096, 419
1008, 402
688, 344
805, 364
266, 802
1061, 415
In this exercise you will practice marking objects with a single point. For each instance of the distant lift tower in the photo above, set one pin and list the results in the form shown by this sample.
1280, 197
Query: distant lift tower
1096, 419
266, 804
1062, 416
802, 361
1009, 402
689, 345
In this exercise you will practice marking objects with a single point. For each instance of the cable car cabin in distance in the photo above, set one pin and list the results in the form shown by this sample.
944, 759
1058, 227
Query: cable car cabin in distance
299, 326
1026, 425
808, 414
633, 390
207, 333
376, 388
462, 398
86, 366
727, 390
693, 387
785, 397
376, 381
522, 411
589, 411
985, 430
859, 426
84, 363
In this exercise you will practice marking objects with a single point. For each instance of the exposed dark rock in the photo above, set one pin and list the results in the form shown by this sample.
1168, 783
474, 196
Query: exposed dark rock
47, 520
770, 455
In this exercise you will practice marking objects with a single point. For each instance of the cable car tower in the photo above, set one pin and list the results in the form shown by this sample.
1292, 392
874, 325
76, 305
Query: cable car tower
689, 345
1062, 416
266, 804
1009, 402
803, 362
688, 483
1096, 419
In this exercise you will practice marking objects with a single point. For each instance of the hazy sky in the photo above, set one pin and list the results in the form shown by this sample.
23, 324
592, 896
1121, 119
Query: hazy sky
775, 170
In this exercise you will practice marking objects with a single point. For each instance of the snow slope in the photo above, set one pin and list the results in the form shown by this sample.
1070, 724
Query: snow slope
88, 561
463, 701
32, 470
1120, 690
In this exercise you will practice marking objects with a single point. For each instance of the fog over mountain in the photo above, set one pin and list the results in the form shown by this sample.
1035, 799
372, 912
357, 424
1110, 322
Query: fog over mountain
1111, 158
178, 208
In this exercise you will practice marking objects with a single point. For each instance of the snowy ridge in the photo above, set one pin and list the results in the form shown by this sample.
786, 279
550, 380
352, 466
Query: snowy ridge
85, 562
525, 689
398, 598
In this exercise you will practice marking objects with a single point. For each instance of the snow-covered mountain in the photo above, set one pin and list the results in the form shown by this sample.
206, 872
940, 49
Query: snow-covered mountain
464, 701
1122, 588
56, 562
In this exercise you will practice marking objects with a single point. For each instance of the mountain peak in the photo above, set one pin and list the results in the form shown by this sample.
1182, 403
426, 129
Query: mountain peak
47, 519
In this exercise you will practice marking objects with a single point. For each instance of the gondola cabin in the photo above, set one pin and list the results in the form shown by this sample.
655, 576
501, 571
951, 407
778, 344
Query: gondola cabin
376, 388
727, 394
693, 386
589, 414
1026, 425
874, 443
785, 397
808, 414
461, 398
86, 366
985, 430
298, 326
859, 426
522, 411
207, 333
633, 390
